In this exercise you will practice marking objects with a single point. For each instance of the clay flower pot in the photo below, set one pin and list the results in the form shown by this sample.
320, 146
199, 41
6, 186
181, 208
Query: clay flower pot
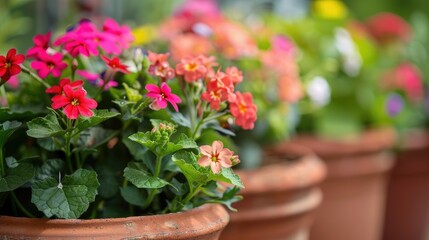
407, 208
355, 189
205, 222
279, 198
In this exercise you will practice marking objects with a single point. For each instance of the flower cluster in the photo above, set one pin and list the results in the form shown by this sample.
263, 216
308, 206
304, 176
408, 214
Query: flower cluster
104, 125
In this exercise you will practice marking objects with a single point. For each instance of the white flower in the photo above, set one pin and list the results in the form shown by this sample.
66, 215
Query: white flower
202, 29
352, 61
319, 91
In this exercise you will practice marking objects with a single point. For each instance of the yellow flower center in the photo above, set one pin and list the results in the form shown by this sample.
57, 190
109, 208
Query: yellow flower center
242, 107
8, 65
75, 102
191, 67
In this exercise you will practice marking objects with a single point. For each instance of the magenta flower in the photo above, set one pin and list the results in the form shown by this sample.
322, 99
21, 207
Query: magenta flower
96, 79
123, 34
41, 43
49, 64
162, 95
75, 103
216, 157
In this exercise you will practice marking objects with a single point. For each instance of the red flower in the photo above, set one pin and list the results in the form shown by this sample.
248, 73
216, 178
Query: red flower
216, 157
159, 66
59, 89
9, 65
74, 102
388, 27
49, 64
192, 68
243, 109
162, 95
115, 64
41, 43
235, 74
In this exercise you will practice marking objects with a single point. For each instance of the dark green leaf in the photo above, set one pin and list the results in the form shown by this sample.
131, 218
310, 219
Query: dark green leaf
68, 199
136, 174
109, 183
6, 130
49, 168
43, 127
51, 144
138, 152
16, 177
99, 117
11, 162
178, 118
133, 195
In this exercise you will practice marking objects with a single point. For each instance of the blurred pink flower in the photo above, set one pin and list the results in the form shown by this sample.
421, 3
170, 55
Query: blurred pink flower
189, 44
406, 77
197, 8
41, 43
123, 34
243, 110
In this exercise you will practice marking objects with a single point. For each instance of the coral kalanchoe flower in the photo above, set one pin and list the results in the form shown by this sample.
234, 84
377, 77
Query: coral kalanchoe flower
49, 64
192, 68
59, 89
75, 103
162, 95
41, 43
243, 110
9, 65
216, 156
159, 66
115, 64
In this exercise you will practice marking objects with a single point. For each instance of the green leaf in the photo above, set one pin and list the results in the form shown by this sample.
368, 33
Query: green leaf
49, 168
99, 117
136, 174
133, 195
227, 175
133, 95
138, 152
178, 118
186, 161
11, 162
145, 140
16, 177
184, 142
43, 127
178, 188
94, 137
67, 199
51, 144
228, 198
109, 184
6, 130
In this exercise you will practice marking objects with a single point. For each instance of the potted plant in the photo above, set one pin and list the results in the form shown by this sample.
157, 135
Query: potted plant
410, 175
346, 118
281, 183
94, 135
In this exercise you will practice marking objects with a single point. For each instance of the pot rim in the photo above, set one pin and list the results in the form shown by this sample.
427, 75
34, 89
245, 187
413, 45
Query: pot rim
201, 220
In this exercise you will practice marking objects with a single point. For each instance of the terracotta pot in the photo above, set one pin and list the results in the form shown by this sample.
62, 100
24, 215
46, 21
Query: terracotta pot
279, 198
355, 189
205, 222
407, 207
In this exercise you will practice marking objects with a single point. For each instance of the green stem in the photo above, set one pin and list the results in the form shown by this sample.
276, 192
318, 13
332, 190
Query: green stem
109, 74
68, 154
3, 93
153, 192
33, 75
22, 208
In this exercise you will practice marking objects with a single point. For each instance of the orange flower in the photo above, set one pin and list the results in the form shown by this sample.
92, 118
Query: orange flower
244, 111
192, 68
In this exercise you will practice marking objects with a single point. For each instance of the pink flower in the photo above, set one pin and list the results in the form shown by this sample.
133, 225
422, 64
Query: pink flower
9, 65
123, 34
115, 64
13, 82
216, 157
79, 40
160, 66
235, 74
41, 43
192, 68
283, 44
408, 78
75, 103
49, 64
96, 79
289, 88
186, 45
202, 8
162, 95
59, 89
243, 110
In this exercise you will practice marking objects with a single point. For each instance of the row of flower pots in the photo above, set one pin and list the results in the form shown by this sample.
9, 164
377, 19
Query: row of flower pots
283, 199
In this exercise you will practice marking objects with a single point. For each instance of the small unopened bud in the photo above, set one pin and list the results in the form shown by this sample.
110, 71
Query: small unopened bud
74, 65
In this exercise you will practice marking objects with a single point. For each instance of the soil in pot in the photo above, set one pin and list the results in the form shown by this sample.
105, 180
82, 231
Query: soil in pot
355, 189
202, 223
279, 198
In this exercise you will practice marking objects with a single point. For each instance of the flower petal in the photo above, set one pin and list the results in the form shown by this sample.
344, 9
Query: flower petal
217, 146
71, 111
204, 161
216, 167
206, 150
